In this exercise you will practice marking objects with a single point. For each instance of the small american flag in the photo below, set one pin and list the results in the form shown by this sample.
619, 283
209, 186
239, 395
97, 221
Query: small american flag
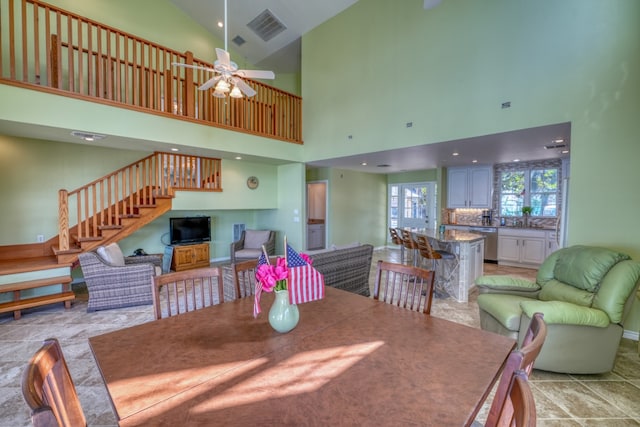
258, 289
305, 283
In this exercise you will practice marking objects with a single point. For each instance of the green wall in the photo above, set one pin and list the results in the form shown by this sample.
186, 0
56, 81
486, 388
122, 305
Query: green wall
451, 67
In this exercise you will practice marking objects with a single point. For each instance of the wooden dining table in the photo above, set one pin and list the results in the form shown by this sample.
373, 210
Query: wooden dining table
351, 360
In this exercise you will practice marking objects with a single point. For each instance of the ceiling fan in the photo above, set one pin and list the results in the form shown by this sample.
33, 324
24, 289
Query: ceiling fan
227, 77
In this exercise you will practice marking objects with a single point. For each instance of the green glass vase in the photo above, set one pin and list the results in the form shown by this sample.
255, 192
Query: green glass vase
283, 316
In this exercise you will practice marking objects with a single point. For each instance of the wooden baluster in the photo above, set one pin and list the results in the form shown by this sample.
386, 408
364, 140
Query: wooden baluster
63, 220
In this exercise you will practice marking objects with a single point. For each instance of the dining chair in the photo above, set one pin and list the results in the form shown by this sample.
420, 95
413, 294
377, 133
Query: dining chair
410, 244
404, 286
521, 410
244, 276
188, 290
519, 360
533, 340
48, 389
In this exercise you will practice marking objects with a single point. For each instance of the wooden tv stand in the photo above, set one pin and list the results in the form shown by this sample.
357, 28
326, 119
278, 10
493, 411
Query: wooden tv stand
186, 257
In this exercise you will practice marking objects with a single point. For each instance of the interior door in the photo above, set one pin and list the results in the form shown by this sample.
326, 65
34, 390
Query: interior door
413, 205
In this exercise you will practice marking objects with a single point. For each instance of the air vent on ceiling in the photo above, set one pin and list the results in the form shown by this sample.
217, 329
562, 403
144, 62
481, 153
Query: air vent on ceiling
554, 146
88, 136
266, 25
239, 41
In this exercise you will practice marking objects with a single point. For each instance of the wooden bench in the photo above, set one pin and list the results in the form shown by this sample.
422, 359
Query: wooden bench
18, 303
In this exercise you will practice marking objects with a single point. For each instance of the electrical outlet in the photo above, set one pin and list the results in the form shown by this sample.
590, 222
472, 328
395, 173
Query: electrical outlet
40, 238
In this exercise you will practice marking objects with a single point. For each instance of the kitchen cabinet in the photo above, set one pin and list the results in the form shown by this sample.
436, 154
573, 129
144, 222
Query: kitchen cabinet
552, 243
476, 261
469, 187
521, 247
186, 257
315, 236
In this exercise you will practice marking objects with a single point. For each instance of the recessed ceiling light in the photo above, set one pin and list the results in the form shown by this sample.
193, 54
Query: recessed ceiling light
558, 141
516, 160
455, 153
238, 157
363, 164
565, 151
175, 149
474, 161
220, 24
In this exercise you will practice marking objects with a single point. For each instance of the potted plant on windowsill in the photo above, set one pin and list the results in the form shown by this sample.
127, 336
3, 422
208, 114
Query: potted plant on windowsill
526, 212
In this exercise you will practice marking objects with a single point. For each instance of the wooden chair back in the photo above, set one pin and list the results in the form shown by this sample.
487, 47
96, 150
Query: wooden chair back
425, 248
408, 240
48, 389
533, 340
244, 276
519, 360
519, 409
395, 239
404, 286
188, 290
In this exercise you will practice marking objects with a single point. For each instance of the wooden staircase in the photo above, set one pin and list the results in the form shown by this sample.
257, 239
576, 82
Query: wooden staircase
107, 210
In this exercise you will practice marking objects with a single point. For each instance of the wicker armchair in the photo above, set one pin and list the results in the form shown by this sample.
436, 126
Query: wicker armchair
249, 246
120, 284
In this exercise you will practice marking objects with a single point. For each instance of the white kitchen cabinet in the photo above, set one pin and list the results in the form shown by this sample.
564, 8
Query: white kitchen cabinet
469, 187
315, 236
552, 243
521, 247
477, 260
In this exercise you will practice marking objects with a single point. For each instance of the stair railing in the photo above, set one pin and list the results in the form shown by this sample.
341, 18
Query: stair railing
49, 49
105, 202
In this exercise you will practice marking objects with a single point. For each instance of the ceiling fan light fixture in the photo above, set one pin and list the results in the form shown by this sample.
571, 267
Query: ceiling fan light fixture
218, 94
222, 86
235, 92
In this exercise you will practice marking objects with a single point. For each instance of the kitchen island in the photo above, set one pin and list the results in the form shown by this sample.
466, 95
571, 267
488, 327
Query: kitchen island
456, 276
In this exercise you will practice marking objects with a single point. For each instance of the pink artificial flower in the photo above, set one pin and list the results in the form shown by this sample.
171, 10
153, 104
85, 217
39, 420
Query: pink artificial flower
270, 275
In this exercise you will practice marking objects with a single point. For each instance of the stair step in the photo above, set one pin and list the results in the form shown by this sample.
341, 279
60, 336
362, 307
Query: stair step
110, 227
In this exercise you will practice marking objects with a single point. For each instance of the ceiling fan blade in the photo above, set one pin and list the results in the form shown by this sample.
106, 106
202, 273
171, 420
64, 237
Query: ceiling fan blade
223, 58
245, 88
256, 74
210, 83
195, 67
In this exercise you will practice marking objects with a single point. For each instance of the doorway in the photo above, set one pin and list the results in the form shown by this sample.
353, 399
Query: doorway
413, 205
316, 215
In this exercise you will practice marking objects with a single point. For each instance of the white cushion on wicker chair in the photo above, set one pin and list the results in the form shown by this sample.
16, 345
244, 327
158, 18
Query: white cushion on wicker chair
112, 254
254, 239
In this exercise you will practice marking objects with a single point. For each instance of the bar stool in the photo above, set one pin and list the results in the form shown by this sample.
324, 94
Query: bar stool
410, 244
427, 252
397, 240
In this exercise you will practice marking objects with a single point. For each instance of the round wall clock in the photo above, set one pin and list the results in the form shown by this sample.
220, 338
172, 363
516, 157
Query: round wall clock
252, 182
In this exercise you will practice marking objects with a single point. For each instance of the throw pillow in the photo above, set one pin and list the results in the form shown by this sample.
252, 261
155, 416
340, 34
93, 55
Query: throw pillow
111, 254
254, 239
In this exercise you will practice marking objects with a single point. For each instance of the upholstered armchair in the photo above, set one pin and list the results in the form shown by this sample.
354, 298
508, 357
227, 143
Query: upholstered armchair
585, 294
249, 246
115, 281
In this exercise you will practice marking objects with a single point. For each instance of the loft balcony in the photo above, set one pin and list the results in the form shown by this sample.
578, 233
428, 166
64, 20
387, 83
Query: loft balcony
49, 49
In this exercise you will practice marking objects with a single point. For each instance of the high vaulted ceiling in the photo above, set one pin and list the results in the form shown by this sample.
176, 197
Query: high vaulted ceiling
282, 52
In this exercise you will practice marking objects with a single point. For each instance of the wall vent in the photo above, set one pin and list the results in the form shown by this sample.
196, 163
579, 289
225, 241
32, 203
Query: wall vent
237, 231
266, 25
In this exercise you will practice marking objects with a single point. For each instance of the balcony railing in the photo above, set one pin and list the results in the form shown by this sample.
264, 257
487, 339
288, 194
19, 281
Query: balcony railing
47, 48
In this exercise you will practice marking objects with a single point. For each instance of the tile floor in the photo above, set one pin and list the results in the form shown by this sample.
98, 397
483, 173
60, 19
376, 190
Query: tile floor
611, 399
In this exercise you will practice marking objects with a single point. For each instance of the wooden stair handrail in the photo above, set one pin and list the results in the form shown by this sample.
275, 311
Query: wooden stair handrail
106, 201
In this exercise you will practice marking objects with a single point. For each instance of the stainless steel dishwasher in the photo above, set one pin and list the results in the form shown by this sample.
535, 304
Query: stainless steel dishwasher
490, 242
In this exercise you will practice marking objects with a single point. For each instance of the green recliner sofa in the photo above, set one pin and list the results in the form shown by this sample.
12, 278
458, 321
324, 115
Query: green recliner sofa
585, 294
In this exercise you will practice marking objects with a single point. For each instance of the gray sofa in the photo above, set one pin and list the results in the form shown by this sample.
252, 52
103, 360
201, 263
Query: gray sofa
345, 268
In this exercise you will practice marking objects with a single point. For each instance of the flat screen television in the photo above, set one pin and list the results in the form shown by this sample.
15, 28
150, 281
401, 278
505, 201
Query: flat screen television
193, 229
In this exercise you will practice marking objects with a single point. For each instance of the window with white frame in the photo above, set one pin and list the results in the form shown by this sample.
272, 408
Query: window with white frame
536, 187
